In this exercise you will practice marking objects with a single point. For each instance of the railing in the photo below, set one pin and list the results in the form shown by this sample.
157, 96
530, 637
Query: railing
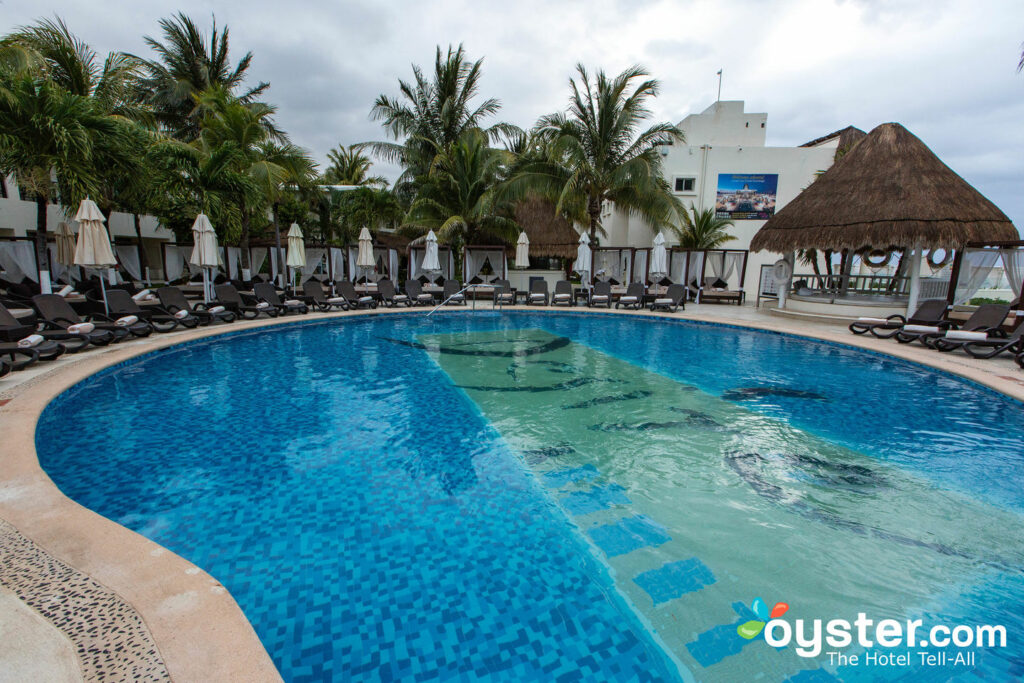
461, 291
880, 285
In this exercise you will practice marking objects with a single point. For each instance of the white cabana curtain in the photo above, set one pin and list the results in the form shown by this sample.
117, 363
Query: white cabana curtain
257, 256
174, 262
277, 257
58, 271
677, 261
1013, 266
128, 257
695, 263
477, 258
314, 260
353, 271
337, 256
233, 263
392, 264
975, 268
716, 264
733, 266
18, 259
612, 265
639, 269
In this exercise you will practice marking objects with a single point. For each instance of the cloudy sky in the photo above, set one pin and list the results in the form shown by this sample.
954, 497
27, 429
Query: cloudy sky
945, 69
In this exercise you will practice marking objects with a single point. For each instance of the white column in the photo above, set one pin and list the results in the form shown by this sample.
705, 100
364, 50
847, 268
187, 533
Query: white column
915, 280
789, 257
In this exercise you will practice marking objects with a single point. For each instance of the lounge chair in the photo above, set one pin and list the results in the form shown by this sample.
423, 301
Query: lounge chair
633, 298
452, 295
266, 292
191, 315
232, 300
503, 294
414, 290
601, 295
987, 318
347, 290
13, 330
930, 312
138, 327
538, 293
5, 367
57, 314
390, 297
563, 294
313, 295
122, 304
982, 345
716, 290
672, 301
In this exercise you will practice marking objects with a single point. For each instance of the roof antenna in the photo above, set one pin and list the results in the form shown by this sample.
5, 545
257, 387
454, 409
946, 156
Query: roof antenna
719, 86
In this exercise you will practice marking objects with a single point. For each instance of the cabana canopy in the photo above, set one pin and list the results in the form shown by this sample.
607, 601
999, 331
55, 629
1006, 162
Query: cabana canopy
550, 235
475, 261
889, 190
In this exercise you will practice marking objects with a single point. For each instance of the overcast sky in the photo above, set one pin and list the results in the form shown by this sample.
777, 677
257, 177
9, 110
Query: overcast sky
944, 69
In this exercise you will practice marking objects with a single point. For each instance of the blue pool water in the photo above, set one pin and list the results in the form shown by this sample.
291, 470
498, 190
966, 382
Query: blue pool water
383, 512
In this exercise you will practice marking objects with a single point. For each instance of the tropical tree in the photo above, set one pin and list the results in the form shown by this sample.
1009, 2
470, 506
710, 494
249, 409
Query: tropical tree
370, 207
596, 153
702, 229
349, 166
187, 64
47, 132
431, 114
459, 199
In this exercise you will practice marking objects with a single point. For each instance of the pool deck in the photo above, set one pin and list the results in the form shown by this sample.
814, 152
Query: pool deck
83, 598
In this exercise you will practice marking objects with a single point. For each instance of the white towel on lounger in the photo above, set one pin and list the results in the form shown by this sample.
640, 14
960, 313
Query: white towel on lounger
628, 299
599, 297
216, 309
127, 321
262, 305
182, 314
292, 302
963, 335
365, 299
30, 341
65, 290
399, 297
922, 329
337, 300
880, 321
81, 328
142, 296
663, 301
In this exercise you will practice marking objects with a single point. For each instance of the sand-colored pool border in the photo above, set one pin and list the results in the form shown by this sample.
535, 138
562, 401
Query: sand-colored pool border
200, 631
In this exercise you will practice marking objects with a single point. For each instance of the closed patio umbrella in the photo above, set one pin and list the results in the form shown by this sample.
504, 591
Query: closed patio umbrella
364, 259
204, 253
93, 247
583, 263
296, 257
659, 259
65, 244
523, 251
431, 263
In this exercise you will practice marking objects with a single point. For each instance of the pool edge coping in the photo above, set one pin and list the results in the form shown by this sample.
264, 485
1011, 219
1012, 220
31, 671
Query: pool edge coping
200, 631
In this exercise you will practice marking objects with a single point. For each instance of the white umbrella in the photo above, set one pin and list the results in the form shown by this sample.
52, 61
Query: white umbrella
583, 260
431, 263
523, 251
204, 253
659, 259
65, 244
364, 259
93, 247
296, 257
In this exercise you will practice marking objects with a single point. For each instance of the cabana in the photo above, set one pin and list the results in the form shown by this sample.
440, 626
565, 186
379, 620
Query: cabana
444, 256
640, 270
386, 268
613, 265
710, 275
482, 264
888, 192
983, 268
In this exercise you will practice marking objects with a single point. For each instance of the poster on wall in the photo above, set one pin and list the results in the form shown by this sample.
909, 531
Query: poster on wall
746, 196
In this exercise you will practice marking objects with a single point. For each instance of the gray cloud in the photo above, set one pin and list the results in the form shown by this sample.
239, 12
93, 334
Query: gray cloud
945, 70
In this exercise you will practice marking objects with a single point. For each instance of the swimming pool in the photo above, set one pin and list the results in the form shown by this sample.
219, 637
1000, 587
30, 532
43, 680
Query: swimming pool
531, 496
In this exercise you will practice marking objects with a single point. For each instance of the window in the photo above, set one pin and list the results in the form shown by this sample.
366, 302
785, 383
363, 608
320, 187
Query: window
748, 124
3, 188
685, 184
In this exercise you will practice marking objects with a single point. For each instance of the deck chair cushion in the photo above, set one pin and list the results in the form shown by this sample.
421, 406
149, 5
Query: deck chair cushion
663, 301
337, 300
966, 336
923, 329
30, 341
630, 299
81, 328
873, 320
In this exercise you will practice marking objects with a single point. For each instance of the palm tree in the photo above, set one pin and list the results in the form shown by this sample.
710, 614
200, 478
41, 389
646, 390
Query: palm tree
459, 199
702, 230
186, 65
45, 131
349, 166
433, 114
597, 153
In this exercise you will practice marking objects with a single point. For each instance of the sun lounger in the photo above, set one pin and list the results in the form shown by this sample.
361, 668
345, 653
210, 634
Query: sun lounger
930, 312
601, 295
192, 315
982, 344
13, 331
232, 300
313, 295
135, 325
348, 291
266, 293
563, 294
988, 318
451, 295
503, 294
538, 293
633, 298
122, 304
414, 290
57, 314
390, 297
672, 301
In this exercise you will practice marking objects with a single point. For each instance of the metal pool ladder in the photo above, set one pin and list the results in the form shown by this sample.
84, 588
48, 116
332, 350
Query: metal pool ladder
464, 289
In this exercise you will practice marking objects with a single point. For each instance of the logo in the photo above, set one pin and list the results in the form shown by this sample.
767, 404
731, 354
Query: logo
759, 607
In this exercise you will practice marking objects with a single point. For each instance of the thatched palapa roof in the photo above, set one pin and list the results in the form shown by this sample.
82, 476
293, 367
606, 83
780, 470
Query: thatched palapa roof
888, 190
549, 234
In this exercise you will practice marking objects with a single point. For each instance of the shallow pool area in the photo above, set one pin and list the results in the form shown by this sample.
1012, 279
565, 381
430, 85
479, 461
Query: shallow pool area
531, 496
